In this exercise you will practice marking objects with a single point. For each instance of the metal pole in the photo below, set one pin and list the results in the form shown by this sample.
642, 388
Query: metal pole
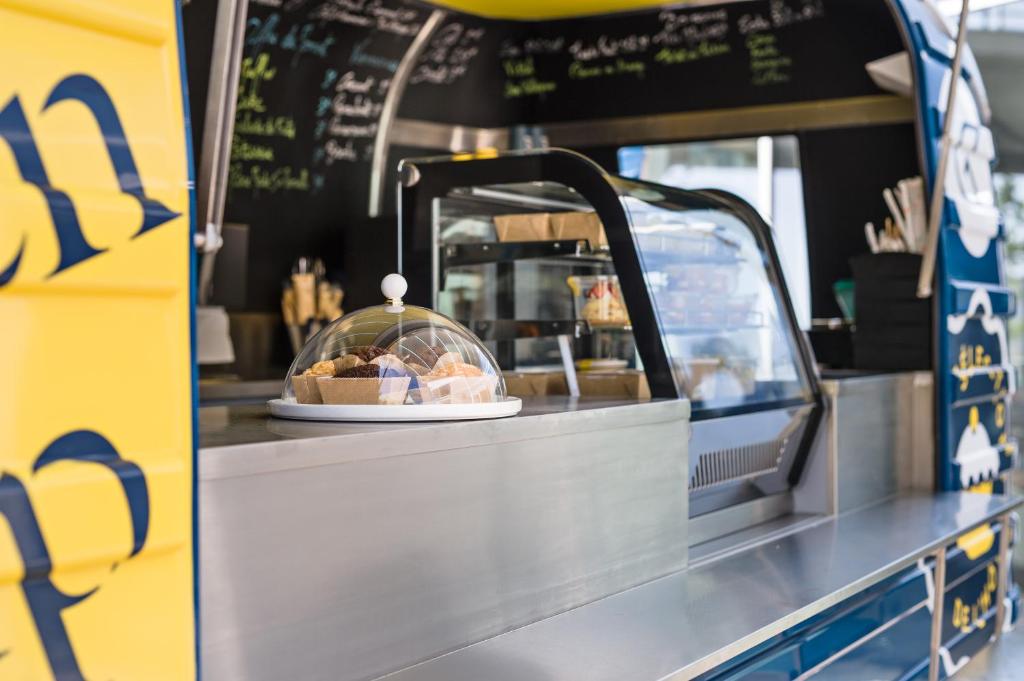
924, 281
219, 126
565, 350
939, 599
388, 111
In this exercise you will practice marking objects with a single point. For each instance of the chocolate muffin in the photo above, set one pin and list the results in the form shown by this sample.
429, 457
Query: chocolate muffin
367, 352
361, 371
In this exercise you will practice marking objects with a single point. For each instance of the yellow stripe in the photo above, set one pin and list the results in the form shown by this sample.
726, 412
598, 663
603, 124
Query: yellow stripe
539, 9
100, 17
978, 542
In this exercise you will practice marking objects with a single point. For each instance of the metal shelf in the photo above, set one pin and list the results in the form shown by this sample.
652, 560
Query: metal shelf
461, 255
513, 329
708, 330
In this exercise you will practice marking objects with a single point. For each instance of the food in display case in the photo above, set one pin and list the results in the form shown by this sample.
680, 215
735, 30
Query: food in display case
599, 300
394, 361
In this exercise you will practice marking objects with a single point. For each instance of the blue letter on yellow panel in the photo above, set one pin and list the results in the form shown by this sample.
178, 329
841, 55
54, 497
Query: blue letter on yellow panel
96, 408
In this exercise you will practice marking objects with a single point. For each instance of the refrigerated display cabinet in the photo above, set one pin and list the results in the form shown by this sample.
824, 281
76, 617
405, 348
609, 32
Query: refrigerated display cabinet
708, 312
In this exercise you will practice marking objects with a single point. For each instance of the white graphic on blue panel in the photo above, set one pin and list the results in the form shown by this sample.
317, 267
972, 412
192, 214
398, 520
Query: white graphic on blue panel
948, 665
969, 180
977, 457
992, 324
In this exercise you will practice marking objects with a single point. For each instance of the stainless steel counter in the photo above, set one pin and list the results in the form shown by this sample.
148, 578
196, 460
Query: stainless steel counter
236, 425
550, 546
688, 623
343, 552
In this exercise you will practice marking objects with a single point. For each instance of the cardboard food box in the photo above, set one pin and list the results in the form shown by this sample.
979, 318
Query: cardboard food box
550, 227
391, 390
457, 389
524, 227
306, 390
579, 226
628, 383
535, 383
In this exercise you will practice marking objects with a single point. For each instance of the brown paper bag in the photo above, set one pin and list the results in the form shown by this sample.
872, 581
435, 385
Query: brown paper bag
535, 383
579, 226
519, 384
524, 227
304, 286
629, 384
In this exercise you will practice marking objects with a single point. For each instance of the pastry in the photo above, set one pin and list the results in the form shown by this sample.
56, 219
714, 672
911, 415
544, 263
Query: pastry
390, 365
346, 362
604, 306
456, 369
446, 359
417, 369
324, 368
367, 352
362, 371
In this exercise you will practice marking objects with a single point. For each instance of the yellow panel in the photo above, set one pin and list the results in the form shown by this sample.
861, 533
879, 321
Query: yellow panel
538, 9
96, 451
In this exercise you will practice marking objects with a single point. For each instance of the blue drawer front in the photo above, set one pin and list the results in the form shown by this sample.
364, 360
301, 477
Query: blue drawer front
971, 551
895, 605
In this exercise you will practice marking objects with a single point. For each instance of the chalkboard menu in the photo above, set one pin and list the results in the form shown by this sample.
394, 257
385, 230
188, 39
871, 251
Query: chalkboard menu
457, 77
669, 60
315, 75
313, 79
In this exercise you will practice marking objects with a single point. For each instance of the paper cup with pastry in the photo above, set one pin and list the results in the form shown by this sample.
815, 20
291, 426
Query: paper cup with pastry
365, 384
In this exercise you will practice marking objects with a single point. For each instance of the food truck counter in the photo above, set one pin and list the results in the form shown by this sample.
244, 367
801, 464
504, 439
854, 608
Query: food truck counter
222, 428
689, 623
552, 545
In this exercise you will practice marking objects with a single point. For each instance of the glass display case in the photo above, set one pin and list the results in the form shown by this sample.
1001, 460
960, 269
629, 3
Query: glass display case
542, 253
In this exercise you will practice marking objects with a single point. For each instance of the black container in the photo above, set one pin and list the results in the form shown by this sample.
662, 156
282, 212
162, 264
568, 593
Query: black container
894, 326
832, 347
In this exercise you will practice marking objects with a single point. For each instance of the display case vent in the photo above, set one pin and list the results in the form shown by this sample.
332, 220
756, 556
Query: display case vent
727, 465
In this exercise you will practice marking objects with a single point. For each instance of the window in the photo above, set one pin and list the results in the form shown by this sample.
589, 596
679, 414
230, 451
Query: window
764, 171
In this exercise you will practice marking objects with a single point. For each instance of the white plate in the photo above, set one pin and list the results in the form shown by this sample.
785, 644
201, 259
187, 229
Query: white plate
290, 409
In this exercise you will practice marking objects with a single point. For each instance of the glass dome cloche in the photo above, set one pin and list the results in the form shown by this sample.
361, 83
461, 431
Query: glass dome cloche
394, 362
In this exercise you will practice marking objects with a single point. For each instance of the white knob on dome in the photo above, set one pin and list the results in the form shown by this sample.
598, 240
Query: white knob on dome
394, 287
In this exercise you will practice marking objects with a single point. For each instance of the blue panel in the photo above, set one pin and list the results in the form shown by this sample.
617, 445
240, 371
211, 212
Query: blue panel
898, 652
968, 605
970, 257
1004, 300
821, 638
963, 265
959, 564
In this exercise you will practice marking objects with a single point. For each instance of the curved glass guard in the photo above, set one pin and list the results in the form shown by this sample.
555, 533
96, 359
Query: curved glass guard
718, 305
718, 300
